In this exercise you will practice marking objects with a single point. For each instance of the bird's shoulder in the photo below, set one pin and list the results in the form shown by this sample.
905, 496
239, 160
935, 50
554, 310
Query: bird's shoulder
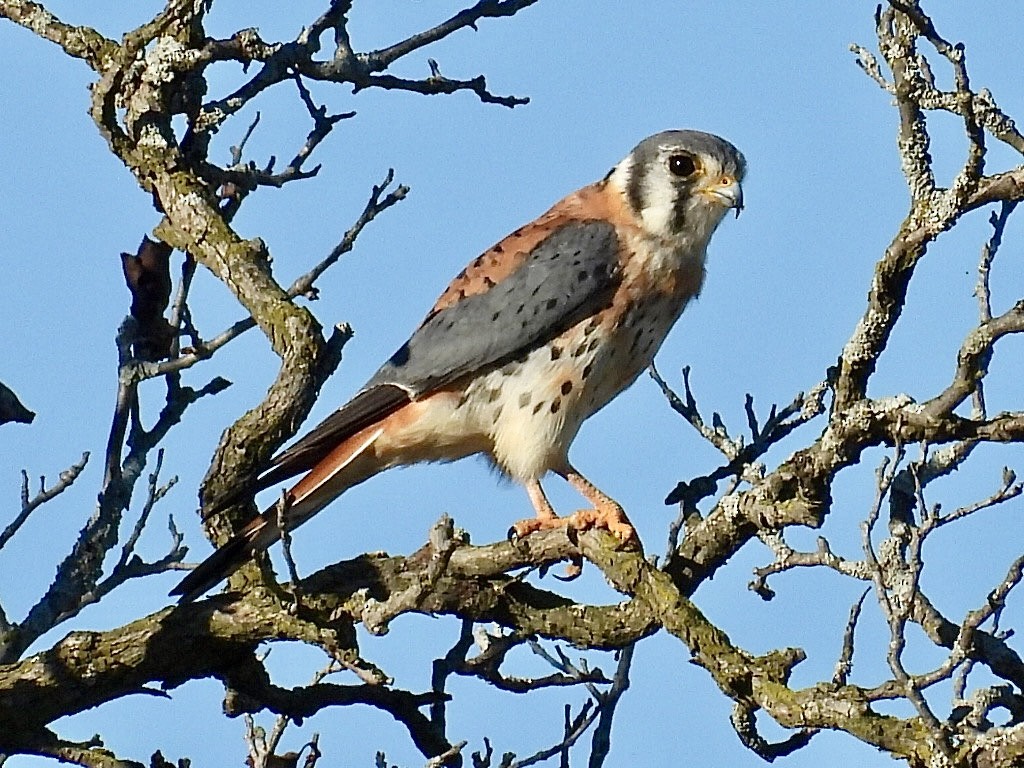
596, 202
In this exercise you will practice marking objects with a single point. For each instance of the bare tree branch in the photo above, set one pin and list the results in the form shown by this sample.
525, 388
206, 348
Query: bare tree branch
30, 505
154, 101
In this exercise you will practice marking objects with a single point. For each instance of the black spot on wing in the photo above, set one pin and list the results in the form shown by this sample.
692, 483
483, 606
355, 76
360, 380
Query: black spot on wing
569, 274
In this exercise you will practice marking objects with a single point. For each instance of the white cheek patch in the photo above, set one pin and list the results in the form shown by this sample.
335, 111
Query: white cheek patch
659, 211
657, 196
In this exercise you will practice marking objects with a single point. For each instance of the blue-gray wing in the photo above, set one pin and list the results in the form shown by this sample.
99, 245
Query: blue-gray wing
568, 275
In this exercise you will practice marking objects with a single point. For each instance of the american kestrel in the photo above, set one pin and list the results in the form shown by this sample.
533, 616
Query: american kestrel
533, 337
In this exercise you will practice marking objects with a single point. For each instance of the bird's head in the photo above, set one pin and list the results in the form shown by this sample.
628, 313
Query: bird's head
680, 184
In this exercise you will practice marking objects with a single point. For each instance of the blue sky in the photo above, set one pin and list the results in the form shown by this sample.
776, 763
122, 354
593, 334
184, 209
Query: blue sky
786, 284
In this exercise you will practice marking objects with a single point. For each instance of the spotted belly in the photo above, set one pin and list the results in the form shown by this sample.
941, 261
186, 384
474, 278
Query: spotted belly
530, 409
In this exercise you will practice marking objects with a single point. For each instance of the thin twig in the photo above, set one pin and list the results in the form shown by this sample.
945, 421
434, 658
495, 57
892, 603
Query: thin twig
281, 510
845, 663
30, 505
601, 741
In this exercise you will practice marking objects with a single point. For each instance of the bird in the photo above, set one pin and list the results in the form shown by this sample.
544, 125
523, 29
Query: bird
534, 336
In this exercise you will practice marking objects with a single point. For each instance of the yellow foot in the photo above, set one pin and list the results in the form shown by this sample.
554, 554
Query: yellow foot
611, 519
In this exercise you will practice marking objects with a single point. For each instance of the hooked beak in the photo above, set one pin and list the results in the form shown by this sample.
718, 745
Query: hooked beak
728, 192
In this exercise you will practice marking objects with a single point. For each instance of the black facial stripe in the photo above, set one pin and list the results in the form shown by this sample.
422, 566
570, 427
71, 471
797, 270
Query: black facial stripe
635, 186
679, 206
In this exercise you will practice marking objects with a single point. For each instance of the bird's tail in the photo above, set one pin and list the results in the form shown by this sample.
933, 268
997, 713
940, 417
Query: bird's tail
349, 464
236, 551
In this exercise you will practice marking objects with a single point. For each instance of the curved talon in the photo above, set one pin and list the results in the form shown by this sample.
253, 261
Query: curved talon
573, 570
524, 528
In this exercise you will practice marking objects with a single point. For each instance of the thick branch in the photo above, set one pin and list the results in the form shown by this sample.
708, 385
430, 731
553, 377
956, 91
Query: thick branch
82, 42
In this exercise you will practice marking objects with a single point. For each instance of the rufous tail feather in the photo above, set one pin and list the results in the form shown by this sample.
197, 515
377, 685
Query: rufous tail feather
327, 480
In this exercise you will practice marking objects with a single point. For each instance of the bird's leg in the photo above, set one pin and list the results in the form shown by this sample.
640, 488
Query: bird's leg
607, 513
546, 517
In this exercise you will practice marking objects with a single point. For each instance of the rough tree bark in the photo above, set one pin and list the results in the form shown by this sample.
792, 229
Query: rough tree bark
157, 72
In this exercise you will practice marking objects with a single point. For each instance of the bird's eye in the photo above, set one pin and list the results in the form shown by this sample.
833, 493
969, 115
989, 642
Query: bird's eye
682, 165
